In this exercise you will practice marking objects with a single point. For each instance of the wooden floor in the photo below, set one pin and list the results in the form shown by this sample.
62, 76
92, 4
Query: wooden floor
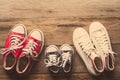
58, 19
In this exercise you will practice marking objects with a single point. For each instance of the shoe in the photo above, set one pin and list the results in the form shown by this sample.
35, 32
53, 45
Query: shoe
30, 52
13, 46
100, 38
87, 52
52, 58
67, 57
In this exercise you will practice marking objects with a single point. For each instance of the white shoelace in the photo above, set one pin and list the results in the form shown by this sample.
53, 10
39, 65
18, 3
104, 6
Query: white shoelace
52, 61
30, 49
86, 46
65, 57
15, 44
103, 42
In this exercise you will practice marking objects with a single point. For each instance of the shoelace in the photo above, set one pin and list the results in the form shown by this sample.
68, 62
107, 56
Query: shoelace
86, 46
15, 44
52, 61
65, 57
30, 50
103, 42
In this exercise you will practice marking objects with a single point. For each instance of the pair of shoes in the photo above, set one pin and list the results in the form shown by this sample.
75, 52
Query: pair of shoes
21, 50
95, 50
59, 58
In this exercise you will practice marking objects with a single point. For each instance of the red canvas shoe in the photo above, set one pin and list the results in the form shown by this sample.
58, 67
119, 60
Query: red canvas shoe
13, 46
30, 52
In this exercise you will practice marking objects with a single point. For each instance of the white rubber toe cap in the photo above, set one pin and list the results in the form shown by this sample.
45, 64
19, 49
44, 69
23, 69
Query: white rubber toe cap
78, 32
96, 26
65, 47
37, 34
52, 48
19, 28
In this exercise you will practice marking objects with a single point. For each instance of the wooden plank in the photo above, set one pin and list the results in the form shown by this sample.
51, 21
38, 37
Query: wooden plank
74, 76
64, 28
58, 19
49, 9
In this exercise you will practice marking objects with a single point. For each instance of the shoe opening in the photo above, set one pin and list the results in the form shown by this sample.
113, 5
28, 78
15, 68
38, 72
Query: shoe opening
10, 60
110, 62
67, 68
98, 65
23, 63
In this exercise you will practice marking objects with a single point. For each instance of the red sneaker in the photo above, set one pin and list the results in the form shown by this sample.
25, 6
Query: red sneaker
30, 52
13, 46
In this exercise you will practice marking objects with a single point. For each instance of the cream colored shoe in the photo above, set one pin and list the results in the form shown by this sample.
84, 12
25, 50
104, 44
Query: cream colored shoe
100, 38
87, 51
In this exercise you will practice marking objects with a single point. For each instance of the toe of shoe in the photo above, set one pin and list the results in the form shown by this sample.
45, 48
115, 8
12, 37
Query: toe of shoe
95, 26
19, 28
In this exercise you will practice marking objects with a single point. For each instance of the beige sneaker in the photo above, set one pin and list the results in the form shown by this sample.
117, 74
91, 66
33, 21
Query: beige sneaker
87, 51
100, 38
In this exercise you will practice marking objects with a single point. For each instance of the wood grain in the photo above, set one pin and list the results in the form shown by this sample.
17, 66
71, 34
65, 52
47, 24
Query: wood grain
58, 19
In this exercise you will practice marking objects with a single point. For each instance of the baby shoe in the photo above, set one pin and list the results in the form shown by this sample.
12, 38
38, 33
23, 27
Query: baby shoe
67, 57
52, 58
